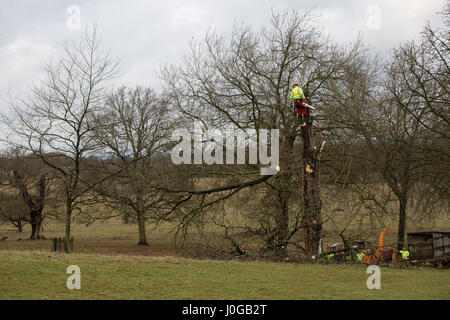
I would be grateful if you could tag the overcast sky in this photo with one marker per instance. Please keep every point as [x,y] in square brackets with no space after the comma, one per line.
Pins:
[144,34]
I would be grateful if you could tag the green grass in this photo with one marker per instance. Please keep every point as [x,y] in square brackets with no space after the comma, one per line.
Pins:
[42,275]
[114,267]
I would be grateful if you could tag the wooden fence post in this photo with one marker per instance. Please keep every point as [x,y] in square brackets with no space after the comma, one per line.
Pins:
[60,245]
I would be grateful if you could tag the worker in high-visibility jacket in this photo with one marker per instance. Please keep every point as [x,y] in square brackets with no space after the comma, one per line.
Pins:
[405,253]
[297,100]
[360,256]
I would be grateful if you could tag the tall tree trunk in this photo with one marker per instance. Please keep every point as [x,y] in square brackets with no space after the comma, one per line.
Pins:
[282,224]
[284,195]
[141,220]
[402,194]
[19,226]
[36,225]
[33,229]
[68,220]
[401,222]
[311,202]
[41,229]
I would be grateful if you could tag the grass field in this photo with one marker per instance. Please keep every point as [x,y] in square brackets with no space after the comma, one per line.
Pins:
[114,267]
[109,238]
[40,275]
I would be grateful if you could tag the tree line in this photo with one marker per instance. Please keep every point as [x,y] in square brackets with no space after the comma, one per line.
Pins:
[76,144]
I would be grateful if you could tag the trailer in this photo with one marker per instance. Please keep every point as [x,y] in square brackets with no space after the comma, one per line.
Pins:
[429,245]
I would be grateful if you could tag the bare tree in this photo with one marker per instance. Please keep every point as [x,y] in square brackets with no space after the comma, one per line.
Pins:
[423,68]
[389,131]
[54,124]
[133,129]
[13,209]
[417,82]
[245,82]
[420,81]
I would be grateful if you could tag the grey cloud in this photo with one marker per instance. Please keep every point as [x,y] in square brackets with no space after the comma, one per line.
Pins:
[143,34]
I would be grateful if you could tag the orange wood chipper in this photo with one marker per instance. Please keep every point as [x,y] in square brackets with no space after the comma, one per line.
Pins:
[381,253]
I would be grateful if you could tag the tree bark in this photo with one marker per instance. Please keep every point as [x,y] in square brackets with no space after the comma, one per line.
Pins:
[284,180]
[311,202]
[141,221]
[282,224]
[35,206]
[402,195]
[401,222]
[68,220]
[36,225]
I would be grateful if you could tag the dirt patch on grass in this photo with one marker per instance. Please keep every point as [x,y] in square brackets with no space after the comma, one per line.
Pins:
[112,238]
[98,246]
